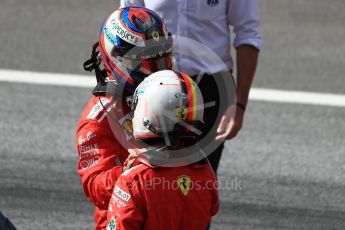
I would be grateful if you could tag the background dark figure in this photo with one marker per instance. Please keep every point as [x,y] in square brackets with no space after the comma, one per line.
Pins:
[5,223]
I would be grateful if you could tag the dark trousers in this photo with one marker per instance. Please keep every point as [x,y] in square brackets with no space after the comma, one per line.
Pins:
[5,223]
[218,88]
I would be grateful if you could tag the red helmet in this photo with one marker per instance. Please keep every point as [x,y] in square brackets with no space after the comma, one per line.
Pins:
[133,44]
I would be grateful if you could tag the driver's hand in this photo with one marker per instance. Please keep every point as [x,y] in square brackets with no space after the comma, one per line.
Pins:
[133,153]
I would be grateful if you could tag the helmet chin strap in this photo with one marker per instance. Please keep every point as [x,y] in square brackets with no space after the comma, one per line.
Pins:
[111,88]
[94,64]
[103,87]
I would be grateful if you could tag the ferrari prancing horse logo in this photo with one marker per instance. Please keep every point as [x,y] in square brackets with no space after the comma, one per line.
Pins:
[184,183]
[155,36]
[181,113]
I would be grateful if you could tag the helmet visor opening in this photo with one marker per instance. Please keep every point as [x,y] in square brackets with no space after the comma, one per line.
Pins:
[152,49]
[152,65]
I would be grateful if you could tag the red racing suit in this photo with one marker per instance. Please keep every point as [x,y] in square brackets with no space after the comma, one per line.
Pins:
[99,134]
[168,198]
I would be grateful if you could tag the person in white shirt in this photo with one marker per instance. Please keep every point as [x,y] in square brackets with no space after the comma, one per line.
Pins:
[201,30]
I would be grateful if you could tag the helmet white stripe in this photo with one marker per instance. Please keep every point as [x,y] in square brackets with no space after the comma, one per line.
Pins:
[118,29]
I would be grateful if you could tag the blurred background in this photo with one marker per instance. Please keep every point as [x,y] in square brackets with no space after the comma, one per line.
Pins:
[288,159]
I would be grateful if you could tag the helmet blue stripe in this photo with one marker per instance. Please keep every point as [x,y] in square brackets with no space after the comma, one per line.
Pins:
[100,30]
[119,78]
[118,41]
[130,86]
[124,17]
